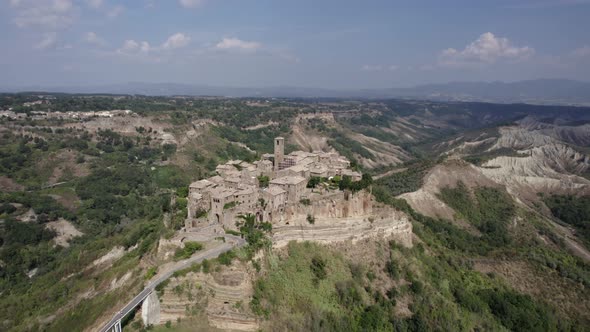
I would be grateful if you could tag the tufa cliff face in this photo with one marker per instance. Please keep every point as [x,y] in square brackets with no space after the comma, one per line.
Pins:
[327,230]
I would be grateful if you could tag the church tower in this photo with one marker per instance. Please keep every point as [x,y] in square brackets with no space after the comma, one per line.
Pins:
[279,151]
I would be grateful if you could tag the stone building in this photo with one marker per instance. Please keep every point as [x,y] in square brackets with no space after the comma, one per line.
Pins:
[293,185]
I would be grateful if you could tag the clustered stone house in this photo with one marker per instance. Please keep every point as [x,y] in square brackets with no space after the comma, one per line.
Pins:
[236,188]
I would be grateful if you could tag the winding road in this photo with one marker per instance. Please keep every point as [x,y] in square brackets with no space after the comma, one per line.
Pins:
[230,242]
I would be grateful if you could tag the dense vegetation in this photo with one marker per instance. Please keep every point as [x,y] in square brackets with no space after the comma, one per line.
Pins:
[572,210]
[188,250]
[408,179]
[314,288]
[490,210]
[348,147]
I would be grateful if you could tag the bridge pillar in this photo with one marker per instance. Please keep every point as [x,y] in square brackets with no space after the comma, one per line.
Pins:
[150,310]
[116,327]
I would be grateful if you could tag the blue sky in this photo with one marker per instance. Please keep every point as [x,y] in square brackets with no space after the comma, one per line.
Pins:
[320,43]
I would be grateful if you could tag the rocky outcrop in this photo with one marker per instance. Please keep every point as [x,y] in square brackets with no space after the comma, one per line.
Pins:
[64,232]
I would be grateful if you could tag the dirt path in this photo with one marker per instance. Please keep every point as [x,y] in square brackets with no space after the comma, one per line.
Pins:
[388,173]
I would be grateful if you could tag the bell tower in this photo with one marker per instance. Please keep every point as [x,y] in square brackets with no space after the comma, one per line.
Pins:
[279,151]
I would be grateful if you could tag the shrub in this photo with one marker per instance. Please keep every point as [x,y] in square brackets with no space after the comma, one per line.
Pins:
[263,181]
[314,181]
[226,257]
[206,265]
[190,247]
[229,205]
[318,268]
[181,203]
[392,269]
[182,191]
[200,213]
[417,287]
[518,312]
[349,295]
[151,272]
[7,208]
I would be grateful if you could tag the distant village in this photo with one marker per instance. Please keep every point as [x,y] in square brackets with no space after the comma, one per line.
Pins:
[40,115]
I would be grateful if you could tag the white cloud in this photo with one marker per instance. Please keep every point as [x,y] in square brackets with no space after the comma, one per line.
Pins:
[581,52]
[62,5]
[131,46]
[237,44]
[115,11]
[191,3]
[93,38]
[486,49]
[177,40]
[95,3]
[44,13]
[49,40]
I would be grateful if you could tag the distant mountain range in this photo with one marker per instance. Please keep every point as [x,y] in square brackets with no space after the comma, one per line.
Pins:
[541,91]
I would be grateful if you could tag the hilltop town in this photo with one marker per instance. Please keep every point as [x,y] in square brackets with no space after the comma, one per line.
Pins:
[271,188]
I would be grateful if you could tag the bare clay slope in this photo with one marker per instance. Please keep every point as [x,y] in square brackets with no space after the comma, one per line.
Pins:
[425,200]
[538,163]
[548,165]
[523,161]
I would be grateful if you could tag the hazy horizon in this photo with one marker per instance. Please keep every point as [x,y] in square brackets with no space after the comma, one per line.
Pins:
[16,88]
